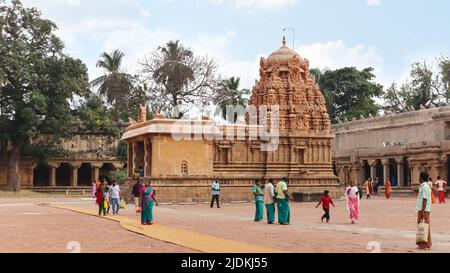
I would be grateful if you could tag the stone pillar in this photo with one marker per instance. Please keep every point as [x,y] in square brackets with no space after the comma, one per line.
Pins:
[400,177]
[74,177]
[385,163]
[355,174]
[96,170]
[130,164]
[53,166]
[373,170]
[147,157]
[444,167]
[415,172]
[362,172]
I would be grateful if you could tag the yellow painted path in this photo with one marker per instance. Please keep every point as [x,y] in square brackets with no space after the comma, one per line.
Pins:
[189,239]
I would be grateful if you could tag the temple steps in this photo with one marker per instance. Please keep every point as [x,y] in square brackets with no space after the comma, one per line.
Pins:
[399,191]
[66,190]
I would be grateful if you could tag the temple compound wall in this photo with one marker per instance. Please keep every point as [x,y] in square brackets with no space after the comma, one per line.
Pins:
[297,144]
[395,147]
[86,157]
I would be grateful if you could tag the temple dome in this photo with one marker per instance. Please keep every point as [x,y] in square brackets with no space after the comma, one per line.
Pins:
[283,55]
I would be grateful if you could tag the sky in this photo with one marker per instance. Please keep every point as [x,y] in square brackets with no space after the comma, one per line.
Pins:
[388,35]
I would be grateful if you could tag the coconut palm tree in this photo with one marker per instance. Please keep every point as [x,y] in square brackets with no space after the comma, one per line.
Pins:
[229,94]
[174,73]
[115,84]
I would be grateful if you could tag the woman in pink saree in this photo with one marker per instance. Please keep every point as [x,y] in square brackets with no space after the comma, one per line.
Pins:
[352,197]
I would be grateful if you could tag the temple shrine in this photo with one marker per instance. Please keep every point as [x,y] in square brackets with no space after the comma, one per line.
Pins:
[300,138]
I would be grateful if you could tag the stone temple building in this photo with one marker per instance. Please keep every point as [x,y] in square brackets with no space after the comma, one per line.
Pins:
[297,146]
[86,157]
[395,147]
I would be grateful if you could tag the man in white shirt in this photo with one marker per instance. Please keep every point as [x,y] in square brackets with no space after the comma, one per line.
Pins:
[441,184]
[269,201]
[215,187]
[114,194]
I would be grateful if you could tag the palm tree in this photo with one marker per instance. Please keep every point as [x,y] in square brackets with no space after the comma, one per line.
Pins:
[114,85]
[229,94]
[174,72]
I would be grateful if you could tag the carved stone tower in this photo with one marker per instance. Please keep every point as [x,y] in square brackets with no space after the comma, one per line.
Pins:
[285,81]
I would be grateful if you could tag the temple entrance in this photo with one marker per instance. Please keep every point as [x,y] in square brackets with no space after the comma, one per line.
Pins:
[63,175]
[379,172]
[84,175]
[366,170]
[393,177]
[406,174]
[41,176]
[140,153]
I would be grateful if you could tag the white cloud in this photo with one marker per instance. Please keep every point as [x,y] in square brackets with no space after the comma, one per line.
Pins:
[373,2]
[336,54]
[73,2]
[264,5]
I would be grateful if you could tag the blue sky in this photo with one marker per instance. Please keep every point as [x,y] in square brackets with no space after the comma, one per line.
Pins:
[388,35]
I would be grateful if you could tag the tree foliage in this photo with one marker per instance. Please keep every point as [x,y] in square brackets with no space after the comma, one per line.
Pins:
[38,82]
[349,93]
[424,88]
[229,94]
[115,85]
[178,79]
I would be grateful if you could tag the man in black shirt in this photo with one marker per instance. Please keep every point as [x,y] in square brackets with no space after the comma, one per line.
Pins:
[136,194]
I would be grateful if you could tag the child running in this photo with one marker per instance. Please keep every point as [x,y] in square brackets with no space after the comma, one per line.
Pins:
[326,201]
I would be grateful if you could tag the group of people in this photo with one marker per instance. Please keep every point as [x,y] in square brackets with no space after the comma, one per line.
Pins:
[371,187]
[106,196]
[273,198]
[276,198]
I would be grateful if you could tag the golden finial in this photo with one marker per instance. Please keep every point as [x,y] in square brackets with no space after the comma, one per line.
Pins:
[284,39]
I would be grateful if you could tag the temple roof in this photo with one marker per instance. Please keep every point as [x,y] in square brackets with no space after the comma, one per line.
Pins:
[283,54]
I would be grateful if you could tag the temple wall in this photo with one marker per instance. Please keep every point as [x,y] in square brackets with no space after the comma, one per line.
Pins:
[168,155]
[395,146]
[25,175]
[199,189]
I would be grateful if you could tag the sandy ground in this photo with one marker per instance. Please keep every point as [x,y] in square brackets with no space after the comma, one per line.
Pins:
[386,225]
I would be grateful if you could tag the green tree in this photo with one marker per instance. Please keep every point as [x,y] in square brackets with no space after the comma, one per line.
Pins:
[178,79]
[96,118]
[349,92]
[38,83]
[229,94]
[427,86]
[122,151]
[115,85]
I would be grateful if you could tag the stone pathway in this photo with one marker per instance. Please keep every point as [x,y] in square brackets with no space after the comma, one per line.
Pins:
[193,240]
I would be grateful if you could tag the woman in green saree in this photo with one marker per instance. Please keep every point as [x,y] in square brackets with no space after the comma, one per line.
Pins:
[147,201]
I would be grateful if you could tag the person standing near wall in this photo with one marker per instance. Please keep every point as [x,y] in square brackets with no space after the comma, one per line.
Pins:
[441,184]
[115,197]
[269,201]
[423,207]
[283,198]
[259,201]
[136,195]
[215,187]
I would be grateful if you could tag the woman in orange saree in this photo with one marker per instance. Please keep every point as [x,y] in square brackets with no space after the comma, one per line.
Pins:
[388,189]
[430,183]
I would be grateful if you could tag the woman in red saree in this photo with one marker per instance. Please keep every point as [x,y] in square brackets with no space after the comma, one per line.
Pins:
[352,197]
[388,189]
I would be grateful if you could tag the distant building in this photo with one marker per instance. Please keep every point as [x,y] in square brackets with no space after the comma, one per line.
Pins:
[86,157]
[395,147]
